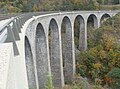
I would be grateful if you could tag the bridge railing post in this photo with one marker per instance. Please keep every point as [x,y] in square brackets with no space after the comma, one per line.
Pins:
[15,30]
[18,25]
[11,38]
[83,37]
[20,22]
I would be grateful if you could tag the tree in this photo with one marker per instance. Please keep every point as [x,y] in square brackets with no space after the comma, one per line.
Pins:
[101,2]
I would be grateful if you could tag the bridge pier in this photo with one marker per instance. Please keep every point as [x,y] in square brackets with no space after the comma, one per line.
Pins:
[98,23]
[68,51]
[42,61]
[82,35]
[29,65]
[56,61]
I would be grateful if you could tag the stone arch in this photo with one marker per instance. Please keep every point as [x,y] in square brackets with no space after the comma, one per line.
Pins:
[55,55]
[29,65]
[104,17]
[92,23]
[41,56]
[92,20]
[80,33]
[67,49]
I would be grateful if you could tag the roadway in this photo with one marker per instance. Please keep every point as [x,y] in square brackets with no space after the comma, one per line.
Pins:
[5,19]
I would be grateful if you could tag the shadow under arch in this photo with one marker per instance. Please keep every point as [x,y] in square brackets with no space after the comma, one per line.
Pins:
[104,17]
[41,56]
[92,21]
[55,55]
[29,65]
[67,49]
[79,32]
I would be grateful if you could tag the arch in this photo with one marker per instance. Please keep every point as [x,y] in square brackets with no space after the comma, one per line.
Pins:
[67,49]
[41,56]
[92,23]
[29,65]
[80,33]
[104,17]
[55,55]
[92,20]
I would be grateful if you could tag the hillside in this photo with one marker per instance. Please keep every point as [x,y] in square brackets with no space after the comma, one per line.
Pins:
[101,62]
[17,6]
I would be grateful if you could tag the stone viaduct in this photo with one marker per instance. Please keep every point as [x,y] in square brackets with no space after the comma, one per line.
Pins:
[38,52]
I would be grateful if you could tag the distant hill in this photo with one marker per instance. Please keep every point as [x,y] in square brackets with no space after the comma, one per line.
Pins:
[16,6]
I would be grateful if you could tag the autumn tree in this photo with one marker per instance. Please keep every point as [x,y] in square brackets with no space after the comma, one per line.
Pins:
[104,53]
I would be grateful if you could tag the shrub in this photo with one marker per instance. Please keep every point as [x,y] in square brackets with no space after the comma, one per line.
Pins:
[103,53]
[14,9]
[114,75]
[49,83]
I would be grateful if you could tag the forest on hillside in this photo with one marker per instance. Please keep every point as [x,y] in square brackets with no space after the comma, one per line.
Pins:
[101,61]
[17,6]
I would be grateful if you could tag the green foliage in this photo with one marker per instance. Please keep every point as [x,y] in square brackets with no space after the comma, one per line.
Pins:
[49,83]
[77,84]
[31,88]
[97,84]
[14,10]
[114,74]
[8,7]
[93,5]
[101,2]
[61,5]
[109,7]
[104,51]
[66,5]
[27,7]
[49,5]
